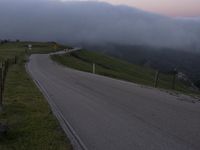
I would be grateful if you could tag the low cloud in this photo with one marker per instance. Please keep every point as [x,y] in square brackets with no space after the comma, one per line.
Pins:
[94,23]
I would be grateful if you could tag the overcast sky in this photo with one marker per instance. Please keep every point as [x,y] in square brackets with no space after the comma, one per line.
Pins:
[186,8]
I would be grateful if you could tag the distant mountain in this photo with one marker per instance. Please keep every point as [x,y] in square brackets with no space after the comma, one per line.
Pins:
[96,23]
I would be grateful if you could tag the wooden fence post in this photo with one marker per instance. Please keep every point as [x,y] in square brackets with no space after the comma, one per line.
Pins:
[94,68]
[156,79]
[15,59]
[1,88]
[6,65]
[173,81]
[175,72]
[3,74]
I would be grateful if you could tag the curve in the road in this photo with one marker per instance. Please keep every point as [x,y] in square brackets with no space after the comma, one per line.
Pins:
[108,114]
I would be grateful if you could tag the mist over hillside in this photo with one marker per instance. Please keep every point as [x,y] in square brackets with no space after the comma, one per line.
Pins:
[94,23]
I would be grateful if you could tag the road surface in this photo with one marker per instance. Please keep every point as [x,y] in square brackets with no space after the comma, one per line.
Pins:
[108,114]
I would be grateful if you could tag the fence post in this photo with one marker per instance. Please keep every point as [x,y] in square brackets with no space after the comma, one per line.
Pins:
[6,66]
[1,87]
[94,68]
[175,72]
[156,79]
[3,74]
[15,59]
[173,81]
[8,62]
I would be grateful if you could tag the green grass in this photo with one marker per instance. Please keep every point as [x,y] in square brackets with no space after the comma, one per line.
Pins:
[32,126]
[115,68]
[9,50]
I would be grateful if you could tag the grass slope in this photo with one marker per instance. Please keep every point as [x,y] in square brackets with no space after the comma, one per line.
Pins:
[115,68]
[32,125]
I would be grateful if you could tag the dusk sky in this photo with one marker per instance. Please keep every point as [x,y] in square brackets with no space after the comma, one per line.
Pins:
[182,8]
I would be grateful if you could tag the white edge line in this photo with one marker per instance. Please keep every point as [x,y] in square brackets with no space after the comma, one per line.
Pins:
[69,131]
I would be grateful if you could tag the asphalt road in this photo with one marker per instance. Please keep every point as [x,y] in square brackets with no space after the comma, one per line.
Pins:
[109,114]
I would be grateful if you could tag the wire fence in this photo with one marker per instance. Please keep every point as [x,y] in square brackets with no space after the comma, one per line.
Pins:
[4,66]
[173,73]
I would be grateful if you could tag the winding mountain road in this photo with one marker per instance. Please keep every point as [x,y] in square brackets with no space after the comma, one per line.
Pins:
[100,113]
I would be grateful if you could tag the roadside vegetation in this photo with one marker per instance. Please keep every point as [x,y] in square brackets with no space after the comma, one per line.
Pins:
[26,113]
[116,68]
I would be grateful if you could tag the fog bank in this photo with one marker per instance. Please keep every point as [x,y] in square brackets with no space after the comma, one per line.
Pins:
[94,23]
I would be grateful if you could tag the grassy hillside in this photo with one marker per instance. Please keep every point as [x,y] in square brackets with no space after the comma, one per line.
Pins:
[164,59]
[31,123]
[116,68]
[10,49]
